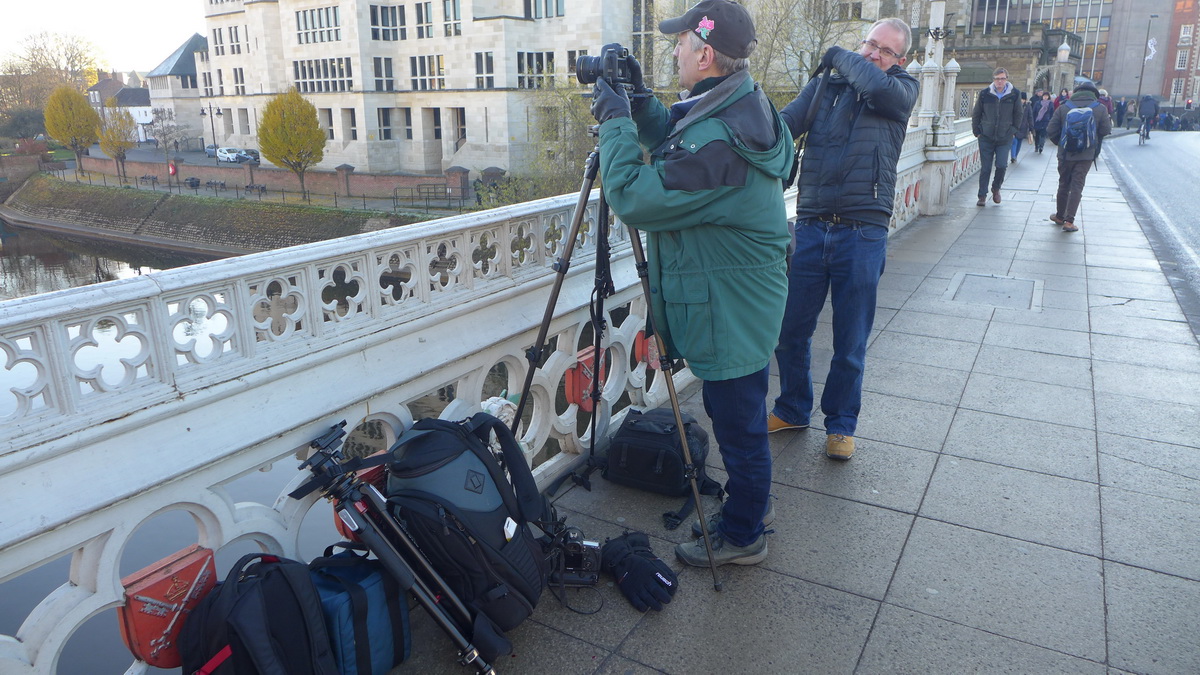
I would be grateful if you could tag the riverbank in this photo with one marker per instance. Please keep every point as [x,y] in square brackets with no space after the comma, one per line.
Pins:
[192,224]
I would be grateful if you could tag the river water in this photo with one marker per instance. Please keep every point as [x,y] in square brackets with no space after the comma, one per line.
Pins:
[34,262]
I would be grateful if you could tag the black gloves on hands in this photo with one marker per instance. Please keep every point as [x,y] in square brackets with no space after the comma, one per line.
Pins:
[827,59]
[608,103]
[646,581]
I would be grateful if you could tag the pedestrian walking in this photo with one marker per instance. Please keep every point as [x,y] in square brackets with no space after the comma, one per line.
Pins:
[1082,113]
[1105,99]
[1043,111]
[710,200]
[1025,128]
[1122,108]
[1062,96]
[995,121]
[842,218]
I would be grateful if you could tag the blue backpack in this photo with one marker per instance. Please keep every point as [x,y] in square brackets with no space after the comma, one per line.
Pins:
[1079,128]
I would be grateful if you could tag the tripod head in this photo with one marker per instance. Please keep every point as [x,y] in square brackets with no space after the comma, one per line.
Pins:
[329,473]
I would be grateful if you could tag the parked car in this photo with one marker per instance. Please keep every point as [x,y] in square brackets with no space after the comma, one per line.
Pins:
[249,155]
[228,154]
[210,150]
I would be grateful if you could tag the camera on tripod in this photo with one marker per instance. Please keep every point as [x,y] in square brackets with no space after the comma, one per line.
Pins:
[612,66]
[581,561]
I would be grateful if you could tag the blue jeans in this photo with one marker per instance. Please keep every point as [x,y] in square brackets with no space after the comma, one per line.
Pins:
[738,411]
[991,153]
[1016,145]
[846,261]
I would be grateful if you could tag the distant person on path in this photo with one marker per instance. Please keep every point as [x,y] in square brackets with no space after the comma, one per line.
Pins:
[1107,101]
[1073,165]
[1062,96]
[1043,110]
[1122,108]
[842,217]
[1026,126]
[995,120]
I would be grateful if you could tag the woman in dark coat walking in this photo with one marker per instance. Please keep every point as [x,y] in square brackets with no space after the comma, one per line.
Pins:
[1024,128]
[1043,110]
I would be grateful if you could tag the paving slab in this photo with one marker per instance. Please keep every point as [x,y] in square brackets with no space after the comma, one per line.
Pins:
[1059,450]
[1142,530]
[1153,621]
[1148,467]
[1004,586]
[1155,420]
[1029,400]
[1068,371]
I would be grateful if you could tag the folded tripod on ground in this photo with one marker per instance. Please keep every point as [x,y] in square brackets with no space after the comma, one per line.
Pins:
[364,511]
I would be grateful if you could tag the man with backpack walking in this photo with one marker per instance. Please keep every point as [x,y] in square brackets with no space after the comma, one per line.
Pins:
[995,121]
[1077,128]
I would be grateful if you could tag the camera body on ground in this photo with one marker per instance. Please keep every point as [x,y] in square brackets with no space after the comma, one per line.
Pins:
[612,66]
[581,562]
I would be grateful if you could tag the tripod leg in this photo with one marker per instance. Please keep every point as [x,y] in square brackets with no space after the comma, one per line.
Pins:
[639,258]
[397,566]
[561,266]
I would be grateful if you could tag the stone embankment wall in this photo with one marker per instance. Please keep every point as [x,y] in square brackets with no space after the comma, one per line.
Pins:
[323,182]
[197,223]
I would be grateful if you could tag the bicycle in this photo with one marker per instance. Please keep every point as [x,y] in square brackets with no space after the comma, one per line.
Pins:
[1144,131]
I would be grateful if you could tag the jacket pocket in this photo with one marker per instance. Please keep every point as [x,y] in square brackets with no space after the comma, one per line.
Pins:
[689,315]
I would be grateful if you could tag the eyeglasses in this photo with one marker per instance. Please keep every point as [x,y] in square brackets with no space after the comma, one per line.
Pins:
[873,46]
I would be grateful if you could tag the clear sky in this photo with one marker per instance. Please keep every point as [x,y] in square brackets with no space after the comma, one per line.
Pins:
[127,34]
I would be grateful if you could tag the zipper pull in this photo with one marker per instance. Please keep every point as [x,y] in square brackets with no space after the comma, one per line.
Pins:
[442,517]
[875,189]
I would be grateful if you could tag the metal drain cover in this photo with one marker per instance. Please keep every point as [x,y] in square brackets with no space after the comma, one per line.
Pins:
[996,291]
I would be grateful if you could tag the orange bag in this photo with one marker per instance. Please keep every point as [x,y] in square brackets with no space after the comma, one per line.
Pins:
[157,601]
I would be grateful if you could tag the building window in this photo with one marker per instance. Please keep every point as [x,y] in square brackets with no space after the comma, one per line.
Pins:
[1181,59]
[544,9]
[206,79]
[1177,86]
[453,24]
[383,74]
[235,41]
[322,24]
[321,75]
[350,123]
[325,115]
[406,113]
[239,82]
[243,116]
[220,83]
[424,20]
[387,23]
[1185,35]
[849,10]
[437,123]
[484,71]
[385,124]
[218,44]
[460,126]
[535,70]
[427,72]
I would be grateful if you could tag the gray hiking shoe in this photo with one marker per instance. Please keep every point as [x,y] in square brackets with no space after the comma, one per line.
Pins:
[724,553]
[715,518]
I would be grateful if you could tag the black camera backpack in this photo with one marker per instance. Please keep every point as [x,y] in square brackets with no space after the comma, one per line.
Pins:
[470,515]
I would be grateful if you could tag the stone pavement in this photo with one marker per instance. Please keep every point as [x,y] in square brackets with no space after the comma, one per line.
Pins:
[1025,497]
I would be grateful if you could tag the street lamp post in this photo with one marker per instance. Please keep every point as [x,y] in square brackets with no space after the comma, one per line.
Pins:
[210,113]
[1145,48]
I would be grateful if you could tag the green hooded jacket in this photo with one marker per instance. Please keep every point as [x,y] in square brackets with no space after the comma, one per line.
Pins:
[710,200]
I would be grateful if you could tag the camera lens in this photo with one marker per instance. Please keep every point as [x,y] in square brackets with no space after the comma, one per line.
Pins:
[588,69]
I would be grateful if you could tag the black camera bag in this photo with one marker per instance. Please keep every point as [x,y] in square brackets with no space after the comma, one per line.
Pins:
[471,520]
[646,454]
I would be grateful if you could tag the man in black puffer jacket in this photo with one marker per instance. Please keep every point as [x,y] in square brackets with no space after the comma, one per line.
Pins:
[847,189]
[995,121]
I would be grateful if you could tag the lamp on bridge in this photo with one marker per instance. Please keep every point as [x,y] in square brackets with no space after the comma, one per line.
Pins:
[1064,58]
[209,113]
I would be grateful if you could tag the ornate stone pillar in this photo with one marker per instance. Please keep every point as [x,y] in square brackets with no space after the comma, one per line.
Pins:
[937,173]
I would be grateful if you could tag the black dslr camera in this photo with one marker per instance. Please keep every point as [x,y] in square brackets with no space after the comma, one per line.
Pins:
[580,561]
[612,66]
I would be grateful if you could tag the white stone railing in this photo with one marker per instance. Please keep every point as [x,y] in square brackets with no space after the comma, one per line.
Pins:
[230,367]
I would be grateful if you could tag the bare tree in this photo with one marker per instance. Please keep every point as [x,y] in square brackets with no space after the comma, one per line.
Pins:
[166,132]
[117,133]
[793,35]
[43,63]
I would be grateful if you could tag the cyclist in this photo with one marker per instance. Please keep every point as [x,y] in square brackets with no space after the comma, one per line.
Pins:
[1147,110]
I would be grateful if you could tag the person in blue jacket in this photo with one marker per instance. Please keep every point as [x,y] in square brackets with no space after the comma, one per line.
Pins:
[847,189]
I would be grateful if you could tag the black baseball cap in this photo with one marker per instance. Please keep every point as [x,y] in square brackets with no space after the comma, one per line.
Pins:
[723,24]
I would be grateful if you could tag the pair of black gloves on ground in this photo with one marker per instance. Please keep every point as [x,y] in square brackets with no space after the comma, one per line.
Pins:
[646,581]
[609,101]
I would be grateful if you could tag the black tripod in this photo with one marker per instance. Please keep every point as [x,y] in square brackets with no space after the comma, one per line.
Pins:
[364,511]
[602,290]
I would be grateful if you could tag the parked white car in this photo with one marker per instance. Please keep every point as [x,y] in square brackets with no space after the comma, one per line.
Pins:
[228,154]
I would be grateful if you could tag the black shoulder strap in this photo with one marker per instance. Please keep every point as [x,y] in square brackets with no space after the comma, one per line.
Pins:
[529,500]
[358,618]
[298,579]
[708,486]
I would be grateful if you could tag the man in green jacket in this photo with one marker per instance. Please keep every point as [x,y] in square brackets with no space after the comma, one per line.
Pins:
[710,200]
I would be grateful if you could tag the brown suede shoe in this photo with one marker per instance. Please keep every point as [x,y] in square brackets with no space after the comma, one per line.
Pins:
[775,424]
[996,195]
[982,201]
[1055,219]
[838,446]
